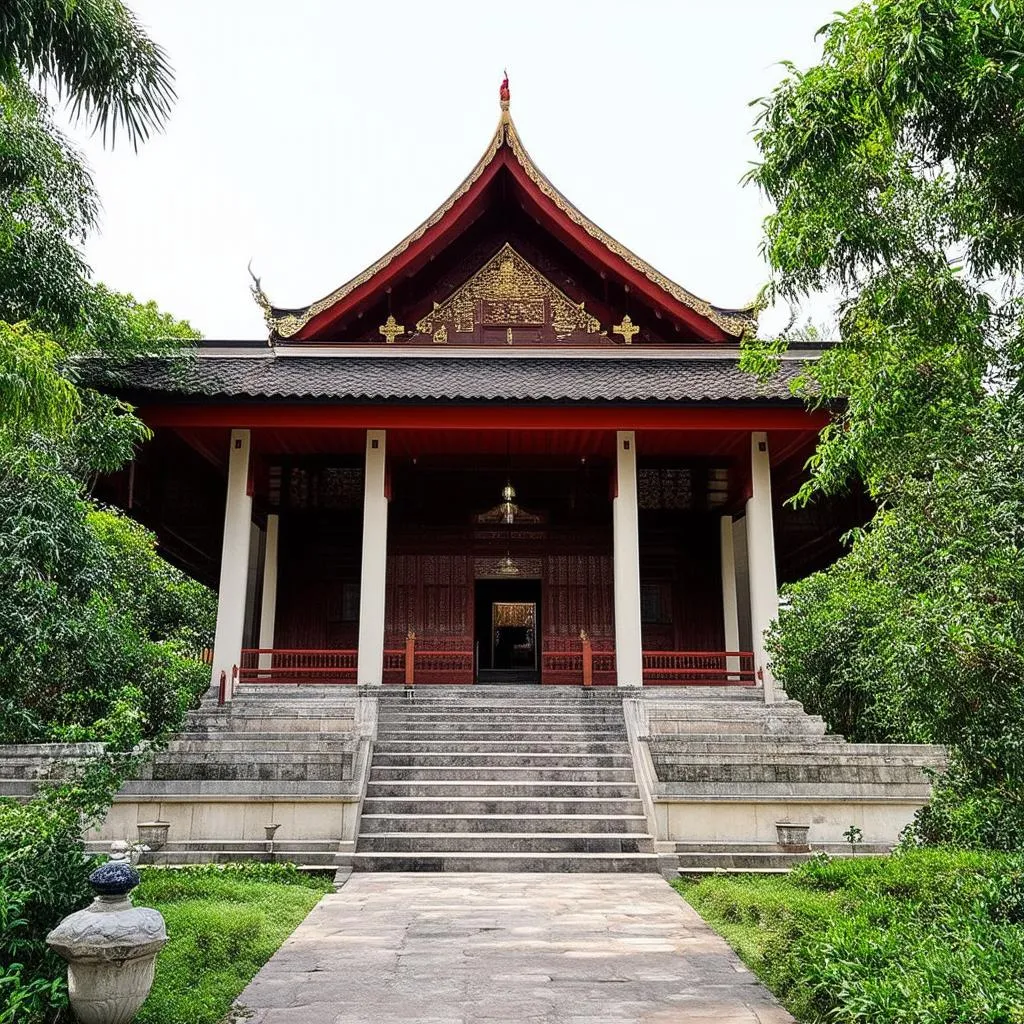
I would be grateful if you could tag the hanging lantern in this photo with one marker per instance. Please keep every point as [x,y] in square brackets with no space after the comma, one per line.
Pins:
[507,567]
[508,503]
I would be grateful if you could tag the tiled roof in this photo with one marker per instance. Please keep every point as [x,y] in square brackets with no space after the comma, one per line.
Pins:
[569,379]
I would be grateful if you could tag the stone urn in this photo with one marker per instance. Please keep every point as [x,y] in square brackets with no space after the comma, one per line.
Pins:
[153,833]
[110,946]
[793,837]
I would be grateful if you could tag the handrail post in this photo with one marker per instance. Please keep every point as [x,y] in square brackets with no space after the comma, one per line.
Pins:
[588,659]
[410,659]
[234,679]
[222,692]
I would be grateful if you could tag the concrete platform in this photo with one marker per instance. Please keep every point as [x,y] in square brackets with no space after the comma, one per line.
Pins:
[394,948]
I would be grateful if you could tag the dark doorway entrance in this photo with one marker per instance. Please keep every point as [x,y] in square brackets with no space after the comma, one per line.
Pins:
[507,638]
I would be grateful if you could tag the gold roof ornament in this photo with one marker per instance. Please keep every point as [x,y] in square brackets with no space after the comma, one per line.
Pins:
[390,330]
[508,289]
[627,329]
[503,93]
[263,302]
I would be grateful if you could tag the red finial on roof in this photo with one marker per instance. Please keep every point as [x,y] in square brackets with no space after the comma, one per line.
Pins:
[503,92]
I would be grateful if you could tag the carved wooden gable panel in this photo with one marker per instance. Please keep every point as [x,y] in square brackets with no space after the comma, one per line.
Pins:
[507,301]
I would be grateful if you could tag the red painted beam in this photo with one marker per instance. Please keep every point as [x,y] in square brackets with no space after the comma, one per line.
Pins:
[475,417]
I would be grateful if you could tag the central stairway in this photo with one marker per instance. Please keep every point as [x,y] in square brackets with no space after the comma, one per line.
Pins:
[502,778]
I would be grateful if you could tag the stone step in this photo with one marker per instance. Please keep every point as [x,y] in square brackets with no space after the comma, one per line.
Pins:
[505,862]
[469,822]
[500,746]
[18,787]
[304,853]
[723,847]
[299,858]
[505,842]
[787,772]
[283,708]
[252,726]
[749,729]
[710,862]
[731,743]
[463,805]
[848,791]
[468,773]
[485,719]
[299,846]
[185,790]
[502,788]
[522,759]
[491,691]
[319,743]
[239,770]
[208,753]
[472,723]
[498,734]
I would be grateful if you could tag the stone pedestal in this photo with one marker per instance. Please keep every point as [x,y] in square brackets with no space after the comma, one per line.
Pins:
[110,947]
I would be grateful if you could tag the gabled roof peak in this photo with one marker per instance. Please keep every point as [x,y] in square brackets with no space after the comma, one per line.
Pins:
[712,323]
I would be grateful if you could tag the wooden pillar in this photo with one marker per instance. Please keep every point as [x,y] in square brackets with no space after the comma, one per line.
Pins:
[370,658]
[410,659]
[234,563]
[268,606]
[588,659]
[629,659]
[764,589]
[730,603]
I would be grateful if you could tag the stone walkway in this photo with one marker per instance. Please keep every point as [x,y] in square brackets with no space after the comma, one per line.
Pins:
[394,948]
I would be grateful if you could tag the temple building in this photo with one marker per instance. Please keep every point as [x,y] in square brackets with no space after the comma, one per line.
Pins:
[507,432]
[496,528]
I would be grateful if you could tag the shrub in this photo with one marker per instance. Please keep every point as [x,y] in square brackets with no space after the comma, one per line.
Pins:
[925,936]
[100,634]
[43,872]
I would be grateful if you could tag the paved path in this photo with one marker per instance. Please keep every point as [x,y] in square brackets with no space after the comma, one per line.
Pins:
[394,948]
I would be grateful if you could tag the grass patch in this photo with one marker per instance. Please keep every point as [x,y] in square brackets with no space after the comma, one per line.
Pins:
[223,925]
[922,937]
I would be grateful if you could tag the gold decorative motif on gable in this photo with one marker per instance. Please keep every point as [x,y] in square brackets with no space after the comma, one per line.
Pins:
[508,292]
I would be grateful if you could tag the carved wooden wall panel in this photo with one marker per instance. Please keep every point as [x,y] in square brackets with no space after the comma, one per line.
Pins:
[428,593]
[578,594]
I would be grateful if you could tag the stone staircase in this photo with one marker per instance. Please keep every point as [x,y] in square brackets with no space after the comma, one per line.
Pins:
[262,738]
[273,755]
[723,763]
[502,778]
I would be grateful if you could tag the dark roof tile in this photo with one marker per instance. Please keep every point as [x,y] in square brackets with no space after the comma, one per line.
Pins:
[572,379]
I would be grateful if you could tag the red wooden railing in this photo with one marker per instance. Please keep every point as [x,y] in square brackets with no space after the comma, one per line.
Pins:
[434,661]
[578,662]
[279,665]
[699,668]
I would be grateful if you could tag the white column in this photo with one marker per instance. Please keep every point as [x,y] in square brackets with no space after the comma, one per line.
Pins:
[764,590]
[730,603]
[629,660]
[234,562]
[370,662]
[268,606]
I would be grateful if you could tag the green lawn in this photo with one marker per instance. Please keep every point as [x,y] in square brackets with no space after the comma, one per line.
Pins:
[924,937]
[223,924]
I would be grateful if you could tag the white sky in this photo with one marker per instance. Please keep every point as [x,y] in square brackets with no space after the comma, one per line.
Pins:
[310,136]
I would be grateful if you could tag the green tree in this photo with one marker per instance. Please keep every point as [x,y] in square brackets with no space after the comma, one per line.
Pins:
[95,55]
[100,635]
[896,168]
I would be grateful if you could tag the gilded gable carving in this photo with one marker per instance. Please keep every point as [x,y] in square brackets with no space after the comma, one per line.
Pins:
[506,295]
